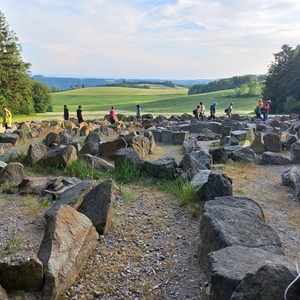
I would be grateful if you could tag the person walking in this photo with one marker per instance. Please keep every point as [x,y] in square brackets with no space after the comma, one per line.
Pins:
[229,110]
[138,113]
[202,110]
[112,115]
[66,113]
[265,110]
[79,114]
[258,107]
[212,110]
[197,112]
[6,118]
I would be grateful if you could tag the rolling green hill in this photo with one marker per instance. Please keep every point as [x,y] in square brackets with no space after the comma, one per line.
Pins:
[156,100]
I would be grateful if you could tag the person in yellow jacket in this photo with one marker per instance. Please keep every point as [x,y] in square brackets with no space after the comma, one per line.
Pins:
[6,117]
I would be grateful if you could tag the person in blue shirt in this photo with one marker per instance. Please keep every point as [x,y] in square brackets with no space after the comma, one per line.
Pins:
[212,110]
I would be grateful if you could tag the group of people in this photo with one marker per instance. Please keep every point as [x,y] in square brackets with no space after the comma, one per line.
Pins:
[78,113]
[112,114]
[199,111]
[262,109]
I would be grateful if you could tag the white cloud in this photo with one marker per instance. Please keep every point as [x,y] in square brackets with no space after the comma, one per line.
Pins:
[183,38]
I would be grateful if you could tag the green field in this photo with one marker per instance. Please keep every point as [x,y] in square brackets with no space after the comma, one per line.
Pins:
[158,100]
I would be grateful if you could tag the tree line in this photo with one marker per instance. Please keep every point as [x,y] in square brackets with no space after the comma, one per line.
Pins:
[21,93]
[246,85]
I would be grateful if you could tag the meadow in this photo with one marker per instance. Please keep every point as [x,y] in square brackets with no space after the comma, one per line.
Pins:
[158,100]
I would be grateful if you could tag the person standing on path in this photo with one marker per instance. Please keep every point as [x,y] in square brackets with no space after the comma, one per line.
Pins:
[138,113]
[66,113]
[6,118]
[112,115]
[212,111]
[265,110]
[79,114]
[202,110]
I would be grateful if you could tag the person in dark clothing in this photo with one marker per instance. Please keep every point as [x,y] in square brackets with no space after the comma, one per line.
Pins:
[79,114]
[66,113]
[212,110]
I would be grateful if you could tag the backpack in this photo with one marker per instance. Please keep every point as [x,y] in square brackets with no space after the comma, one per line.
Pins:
[262,110]
[194,111]
[226,110]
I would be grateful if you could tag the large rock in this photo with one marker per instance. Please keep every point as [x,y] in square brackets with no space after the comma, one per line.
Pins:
[141,145]
[190,166]
[69,240]
[97,205]
[245,155]
[97,162]
[59,157]
[295,153]
[34,153]
[270,281]
[13,172]
[203,157]
[291,178]
[108,148]
[289,141]
[128,155]
[258,145]
[235,221]
[163,168]
[272,158]
[73,196]
[9,138]
[33,185]
[272,142]
[230,265]
[21,272]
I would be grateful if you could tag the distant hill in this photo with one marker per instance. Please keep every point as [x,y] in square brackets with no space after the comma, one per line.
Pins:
[67,83]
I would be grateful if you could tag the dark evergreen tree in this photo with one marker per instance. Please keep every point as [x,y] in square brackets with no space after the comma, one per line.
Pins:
[41,97]
[15,81]
[283,81]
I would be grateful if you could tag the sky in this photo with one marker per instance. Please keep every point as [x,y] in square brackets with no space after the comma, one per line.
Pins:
[166,39]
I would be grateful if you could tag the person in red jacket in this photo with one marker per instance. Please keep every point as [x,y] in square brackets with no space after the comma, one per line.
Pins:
[265,110]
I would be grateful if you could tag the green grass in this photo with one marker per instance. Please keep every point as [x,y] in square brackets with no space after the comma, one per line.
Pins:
[158,100]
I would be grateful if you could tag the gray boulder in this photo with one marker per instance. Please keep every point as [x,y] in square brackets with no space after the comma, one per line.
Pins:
[231,265]
[270,281]
[108,148]
[35,153]
[97,205]
[97,162]
[73,196]
[271,158]
[291,178]
[245,154]
[203,157]
[13,172]
[235,221]
[295,153]
[69,240]
[163,168]
[289,141]
[9,138]
[21,272]
[59,157]
[190,166]
[272,142]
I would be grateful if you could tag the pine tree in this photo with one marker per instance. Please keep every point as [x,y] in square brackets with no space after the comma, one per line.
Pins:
[15,80]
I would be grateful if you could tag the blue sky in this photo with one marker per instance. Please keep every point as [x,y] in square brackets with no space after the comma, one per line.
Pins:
[168,39]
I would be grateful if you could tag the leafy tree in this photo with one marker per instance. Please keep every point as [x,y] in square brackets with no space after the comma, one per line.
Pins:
[283,80]
[15,81]
[41,96]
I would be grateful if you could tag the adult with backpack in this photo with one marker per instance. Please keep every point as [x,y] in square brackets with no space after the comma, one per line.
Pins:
[196,112]
[228,110]
[212,110]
